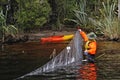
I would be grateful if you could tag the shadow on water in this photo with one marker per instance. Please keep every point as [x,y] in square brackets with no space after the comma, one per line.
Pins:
[19,59]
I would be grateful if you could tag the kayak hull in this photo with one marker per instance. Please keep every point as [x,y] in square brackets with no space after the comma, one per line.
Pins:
[53,39]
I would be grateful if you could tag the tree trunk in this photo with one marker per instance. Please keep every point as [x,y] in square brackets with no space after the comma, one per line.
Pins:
[53,15]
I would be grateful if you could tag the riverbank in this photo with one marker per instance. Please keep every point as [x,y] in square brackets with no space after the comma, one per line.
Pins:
[38,35]
[35,35]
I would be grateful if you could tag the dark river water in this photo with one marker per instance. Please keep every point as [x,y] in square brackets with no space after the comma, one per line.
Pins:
[19,59]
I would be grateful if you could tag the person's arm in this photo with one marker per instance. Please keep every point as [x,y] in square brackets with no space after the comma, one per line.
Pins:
[84,35]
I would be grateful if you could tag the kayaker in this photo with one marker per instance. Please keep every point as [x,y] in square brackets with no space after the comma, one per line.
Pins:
[90,45]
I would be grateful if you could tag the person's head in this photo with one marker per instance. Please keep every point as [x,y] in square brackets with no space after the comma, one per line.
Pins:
[91,36]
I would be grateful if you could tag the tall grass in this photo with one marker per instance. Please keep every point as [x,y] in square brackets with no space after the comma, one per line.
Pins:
[81,17]
[10,30]
[6,29]
[80,13]
[108,22]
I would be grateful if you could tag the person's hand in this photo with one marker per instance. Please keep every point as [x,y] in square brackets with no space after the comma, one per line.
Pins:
[79,30]
[85,52]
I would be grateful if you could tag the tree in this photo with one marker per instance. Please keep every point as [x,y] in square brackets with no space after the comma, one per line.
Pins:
[32,13]
[61,9]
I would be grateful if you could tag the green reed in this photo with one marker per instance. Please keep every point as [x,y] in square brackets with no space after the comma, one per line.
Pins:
[108,21]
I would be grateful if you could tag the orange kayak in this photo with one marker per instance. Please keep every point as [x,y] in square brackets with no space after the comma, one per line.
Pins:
[52,39]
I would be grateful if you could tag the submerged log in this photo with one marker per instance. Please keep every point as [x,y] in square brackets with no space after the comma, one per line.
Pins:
[11,39]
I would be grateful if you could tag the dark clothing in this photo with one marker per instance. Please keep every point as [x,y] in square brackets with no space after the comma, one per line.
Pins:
[90,57]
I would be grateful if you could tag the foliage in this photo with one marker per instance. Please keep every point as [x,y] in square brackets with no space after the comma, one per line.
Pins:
[3,1]
[62,9]
[6,30]
[2,18]
[10,30]
[2,21]
[32,13]
[68,6]
[108,23]
[81,17]
[35,13]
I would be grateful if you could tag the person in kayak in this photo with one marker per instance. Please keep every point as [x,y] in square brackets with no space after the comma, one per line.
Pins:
[90,45]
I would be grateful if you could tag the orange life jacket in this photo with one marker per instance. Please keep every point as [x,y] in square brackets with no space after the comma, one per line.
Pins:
[91,47]
[84,36]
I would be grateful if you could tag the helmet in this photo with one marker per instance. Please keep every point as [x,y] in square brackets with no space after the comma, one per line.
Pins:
[92,35]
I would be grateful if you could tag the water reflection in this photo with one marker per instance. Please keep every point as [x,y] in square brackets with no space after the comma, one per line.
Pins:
[88,72]
[75,72]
